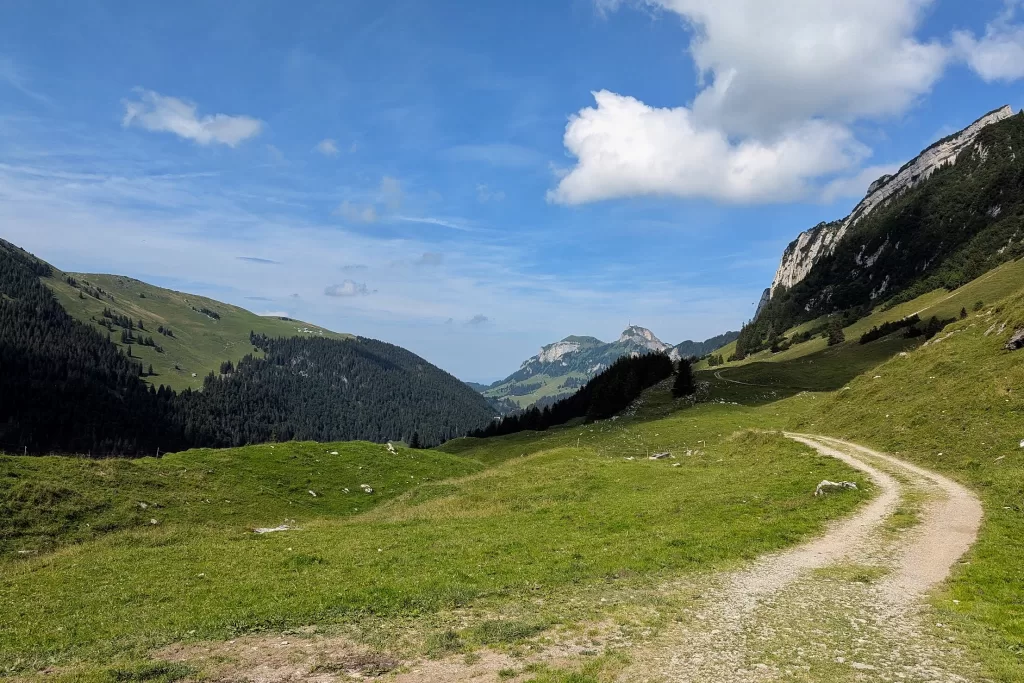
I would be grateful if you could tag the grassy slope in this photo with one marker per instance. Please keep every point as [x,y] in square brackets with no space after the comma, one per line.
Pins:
[956,406]
[200,343]
[550,386]
[993,286]
[953,405]
[563,516]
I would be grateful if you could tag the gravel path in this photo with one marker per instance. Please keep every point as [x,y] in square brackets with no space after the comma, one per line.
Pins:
[846,606]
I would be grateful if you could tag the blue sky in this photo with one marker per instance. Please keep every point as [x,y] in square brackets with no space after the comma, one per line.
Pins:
[472,180]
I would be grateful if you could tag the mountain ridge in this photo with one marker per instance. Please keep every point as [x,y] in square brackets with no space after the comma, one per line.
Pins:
[559,369]
[949,215]
[812,245]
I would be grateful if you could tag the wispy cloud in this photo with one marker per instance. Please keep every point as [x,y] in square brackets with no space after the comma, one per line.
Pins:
[431,220]
[328,147]
[496,154]
[357,213]
[13,77]
[256,259]
[485,194]
[430,258]
[347,288]
[160,113]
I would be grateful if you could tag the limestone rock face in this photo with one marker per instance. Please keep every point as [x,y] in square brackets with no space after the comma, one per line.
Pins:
[810,246]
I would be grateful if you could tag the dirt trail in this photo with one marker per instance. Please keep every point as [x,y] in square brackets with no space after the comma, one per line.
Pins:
[846,606]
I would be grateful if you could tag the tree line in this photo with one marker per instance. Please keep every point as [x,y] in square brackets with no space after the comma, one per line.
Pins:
[64,387]
[608,393]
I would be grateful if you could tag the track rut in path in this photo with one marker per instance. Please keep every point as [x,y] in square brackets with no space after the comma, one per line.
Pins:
[848,605]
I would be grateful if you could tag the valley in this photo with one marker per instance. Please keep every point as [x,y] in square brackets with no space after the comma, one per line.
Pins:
[823,483]
[601,534]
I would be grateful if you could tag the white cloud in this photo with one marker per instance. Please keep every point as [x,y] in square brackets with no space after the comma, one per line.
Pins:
[768,65]
[160,113]
[625,148]
[327,147]
[273,314]
[478,319]
[357,213]
[999,54]
[347,288]
[780,84]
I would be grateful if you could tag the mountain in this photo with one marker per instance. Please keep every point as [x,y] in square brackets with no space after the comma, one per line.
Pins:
[692,349]
[946,217]
[66,386]
[820,241]
[194,334]
[561,368]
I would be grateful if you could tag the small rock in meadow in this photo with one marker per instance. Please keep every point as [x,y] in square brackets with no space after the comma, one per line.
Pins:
[334,452]
[827,486]
[1016,341]
[1022,443]
[152,521]
[661,456]
[312,493]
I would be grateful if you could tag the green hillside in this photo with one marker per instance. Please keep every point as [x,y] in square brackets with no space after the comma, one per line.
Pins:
[200,342]
[486,543]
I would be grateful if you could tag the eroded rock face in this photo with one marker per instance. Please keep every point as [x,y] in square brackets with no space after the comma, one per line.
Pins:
[1016,341]
[812,245]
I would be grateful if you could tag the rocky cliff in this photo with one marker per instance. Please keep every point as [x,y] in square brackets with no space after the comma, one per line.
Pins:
[810,246]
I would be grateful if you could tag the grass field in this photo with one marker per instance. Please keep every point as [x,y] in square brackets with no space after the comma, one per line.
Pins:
[200,343]
[528,516]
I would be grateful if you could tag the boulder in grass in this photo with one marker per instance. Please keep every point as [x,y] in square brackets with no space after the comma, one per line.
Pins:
[1016,341]
[661,456]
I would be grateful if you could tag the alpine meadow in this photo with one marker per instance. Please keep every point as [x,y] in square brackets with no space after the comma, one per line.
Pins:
[269,274]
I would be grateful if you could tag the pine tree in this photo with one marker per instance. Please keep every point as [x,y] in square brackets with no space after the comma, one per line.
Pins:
[414,440]
[963,313]
[684,384]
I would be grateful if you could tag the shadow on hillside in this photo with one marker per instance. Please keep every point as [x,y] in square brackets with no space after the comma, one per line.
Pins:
[827,370]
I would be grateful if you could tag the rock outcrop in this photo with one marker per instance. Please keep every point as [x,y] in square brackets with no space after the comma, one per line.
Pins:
[810,246]
[1016,341]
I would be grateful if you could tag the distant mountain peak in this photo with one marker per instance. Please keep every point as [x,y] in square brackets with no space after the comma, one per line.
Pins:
[641,336]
